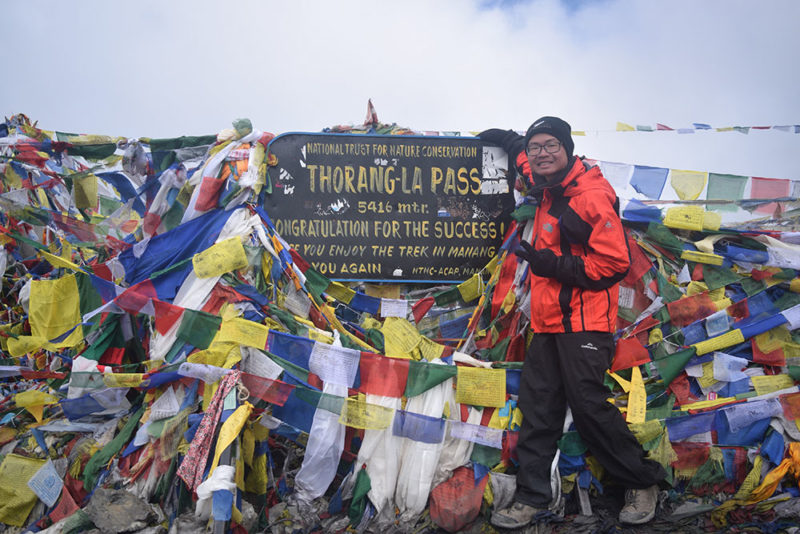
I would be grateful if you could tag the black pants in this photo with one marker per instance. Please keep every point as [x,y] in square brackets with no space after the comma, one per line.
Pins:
[563,369]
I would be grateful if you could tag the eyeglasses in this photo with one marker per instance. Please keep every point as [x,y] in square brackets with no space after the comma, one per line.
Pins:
[551,147]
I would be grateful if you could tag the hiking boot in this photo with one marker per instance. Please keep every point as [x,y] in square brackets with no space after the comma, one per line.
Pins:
[517,515]
[640,505]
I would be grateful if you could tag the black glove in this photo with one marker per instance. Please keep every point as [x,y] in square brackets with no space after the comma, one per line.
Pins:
[508,140]
[541,262]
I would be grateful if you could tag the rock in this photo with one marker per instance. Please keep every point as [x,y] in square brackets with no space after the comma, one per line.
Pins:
[114,511]
[187,523]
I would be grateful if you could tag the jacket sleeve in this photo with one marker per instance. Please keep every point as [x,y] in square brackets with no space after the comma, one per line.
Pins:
[595,226]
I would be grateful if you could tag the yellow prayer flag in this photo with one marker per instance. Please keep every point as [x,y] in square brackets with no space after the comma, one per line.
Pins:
[623,127]
[472,288]
[220,258]
[794,285]
[13,179]
[23,345]
[85,191]
[728,339]
[702,257]
[579,132]
[340,292]
[243,332]
[357,413]
[688,184]
[684,218]
[55,308]
[429,350]
[16,498]
[123,380]
[624,384]
[769,383]
[230,430]
[637,398]
[481,387]
[712,220]
[648,430]
[707,379]
[655,336]
[382,291]
[400,337]
[58,261]
[492,265]
[34,401]
[773,339]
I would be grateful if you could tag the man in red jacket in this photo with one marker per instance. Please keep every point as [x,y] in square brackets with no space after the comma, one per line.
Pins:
[577,256]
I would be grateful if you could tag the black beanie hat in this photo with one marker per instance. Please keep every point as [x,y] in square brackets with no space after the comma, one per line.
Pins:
[556,127]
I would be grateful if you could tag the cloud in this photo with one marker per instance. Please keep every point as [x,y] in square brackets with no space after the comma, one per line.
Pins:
[164,69]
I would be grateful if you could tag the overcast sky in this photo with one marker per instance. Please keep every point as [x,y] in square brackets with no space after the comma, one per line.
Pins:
[167,68]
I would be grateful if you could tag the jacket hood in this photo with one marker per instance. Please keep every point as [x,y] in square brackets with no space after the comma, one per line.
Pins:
[578,179]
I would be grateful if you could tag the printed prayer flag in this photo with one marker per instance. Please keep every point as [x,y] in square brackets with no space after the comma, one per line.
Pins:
[55,308]
[220,258]
[481,387]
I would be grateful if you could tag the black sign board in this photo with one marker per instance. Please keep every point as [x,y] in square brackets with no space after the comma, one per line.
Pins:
[391,208]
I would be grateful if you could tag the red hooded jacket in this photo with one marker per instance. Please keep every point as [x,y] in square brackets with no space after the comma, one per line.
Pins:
[578,220]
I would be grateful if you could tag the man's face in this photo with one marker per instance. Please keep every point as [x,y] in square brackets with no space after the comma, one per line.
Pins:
[542,161]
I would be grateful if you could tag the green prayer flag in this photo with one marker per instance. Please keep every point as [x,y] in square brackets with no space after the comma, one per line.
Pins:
[664,237]
[99,151]
[667,291]
[794,372]
[316,283]
[751,287]
[296,370]
[498,352]
[524,212]
[359,502]
[198,328]
[716,277]
[110,336]
[485,455]
[422,376]
[185,141]
[89,297]
[672,365]
[448,296]
[571,444]
[104,455]
[725,187]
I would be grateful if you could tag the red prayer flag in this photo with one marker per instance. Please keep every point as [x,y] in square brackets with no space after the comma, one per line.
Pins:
[791,406]
[166,315]
[66,506]
[630,353]
[691,455]
[769,188]
[775,357]
[640,263]
[687,310]
[383,376]
[421,307]
[271,391]
[209,193]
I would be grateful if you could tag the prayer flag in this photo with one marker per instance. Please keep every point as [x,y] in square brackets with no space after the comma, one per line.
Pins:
[688,184]
[649,181]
